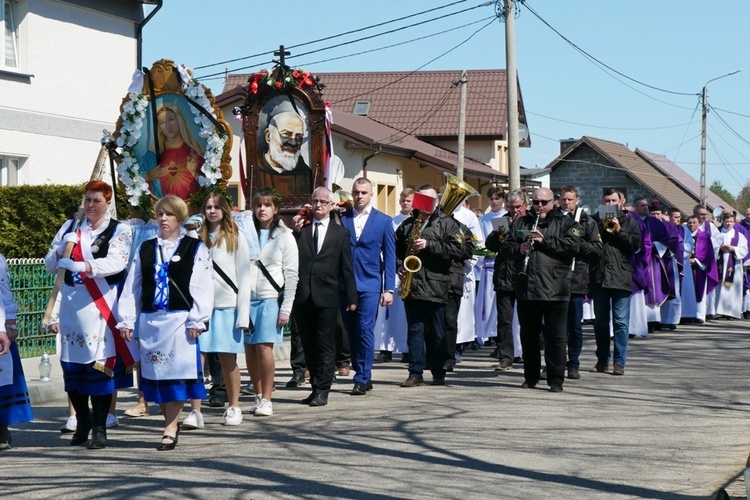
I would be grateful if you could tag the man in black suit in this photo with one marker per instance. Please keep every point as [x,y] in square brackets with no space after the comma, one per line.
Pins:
[324,256]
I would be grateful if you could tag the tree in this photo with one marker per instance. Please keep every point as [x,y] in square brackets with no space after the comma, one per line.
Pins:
[719,190]
[743,199]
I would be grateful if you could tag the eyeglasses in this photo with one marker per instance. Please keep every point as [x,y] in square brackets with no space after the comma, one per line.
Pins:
[542,202]
[321,202]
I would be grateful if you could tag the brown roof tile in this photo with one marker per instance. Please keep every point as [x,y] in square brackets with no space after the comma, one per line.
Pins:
[423,103]
[652,171]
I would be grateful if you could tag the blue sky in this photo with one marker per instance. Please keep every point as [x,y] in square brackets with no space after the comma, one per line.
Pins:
[673,45]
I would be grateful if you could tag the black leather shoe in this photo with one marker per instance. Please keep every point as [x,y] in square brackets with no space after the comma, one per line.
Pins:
[309,398]
[556,388]
[369,386]
[216,402]
[528,385]
[438,381]
[412,382]
[296,381]
[384,357]
[320,399]
[81,434]
[167,446]
[573,373]
[359,389]
[98,438]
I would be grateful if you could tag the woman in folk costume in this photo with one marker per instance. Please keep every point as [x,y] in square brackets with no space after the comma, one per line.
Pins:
[95,360]
[230,256]
[276,269]
[731,253]
[170,290]
[16,406]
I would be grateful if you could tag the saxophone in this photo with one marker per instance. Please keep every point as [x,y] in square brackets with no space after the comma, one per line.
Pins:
[412,263]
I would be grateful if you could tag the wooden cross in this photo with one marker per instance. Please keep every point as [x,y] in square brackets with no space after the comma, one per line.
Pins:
[281,53]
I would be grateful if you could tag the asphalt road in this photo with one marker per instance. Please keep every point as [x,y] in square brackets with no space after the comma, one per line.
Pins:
[675,426]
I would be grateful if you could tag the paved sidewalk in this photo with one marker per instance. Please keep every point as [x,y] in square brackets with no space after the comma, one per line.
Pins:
[675,426]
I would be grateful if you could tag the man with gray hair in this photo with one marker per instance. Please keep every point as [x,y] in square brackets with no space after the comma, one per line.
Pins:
[503,280]
[282,166]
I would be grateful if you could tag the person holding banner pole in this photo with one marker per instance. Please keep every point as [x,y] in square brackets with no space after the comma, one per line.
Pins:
[95,361]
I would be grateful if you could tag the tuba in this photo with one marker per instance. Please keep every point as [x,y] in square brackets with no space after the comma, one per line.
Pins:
[456,191]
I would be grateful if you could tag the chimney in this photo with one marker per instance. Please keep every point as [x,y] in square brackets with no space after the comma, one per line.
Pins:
[565,144]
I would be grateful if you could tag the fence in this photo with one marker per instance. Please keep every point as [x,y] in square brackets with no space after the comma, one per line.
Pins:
[31,285]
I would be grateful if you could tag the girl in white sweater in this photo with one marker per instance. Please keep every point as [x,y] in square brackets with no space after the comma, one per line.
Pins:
[270,308]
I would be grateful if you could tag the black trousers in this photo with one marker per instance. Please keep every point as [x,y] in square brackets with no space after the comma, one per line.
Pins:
[218,389]
[297,354]
[505,302]
[318,333]
[550,318]
[451,324]
[343,353]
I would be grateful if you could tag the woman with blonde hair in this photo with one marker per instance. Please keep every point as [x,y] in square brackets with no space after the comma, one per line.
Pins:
[170,290]
[230,255]
[273,280]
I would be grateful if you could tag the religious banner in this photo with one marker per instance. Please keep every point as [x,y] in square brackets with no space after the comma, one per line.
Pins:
[285,133]
[172,139]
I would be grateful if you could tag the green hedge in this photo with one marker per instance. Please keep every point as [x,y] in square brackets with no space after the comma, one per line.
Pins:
[31,215]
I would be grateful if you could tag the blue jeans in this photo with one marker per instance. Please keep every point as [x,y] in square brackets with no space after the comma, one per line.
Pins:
[620,314]
[426,337]
[575,330]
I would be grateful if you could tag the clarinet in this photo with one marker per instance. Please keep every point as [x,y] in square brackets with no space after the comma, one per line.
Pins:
[528,254]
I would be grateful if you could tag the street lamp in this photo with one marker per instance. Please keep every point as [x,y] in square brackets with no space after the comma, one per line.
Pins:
[703,135]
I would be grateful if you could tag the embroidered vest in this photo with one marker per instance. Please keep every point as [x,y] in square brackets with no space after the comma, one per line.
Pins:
[180,272]
[99,249]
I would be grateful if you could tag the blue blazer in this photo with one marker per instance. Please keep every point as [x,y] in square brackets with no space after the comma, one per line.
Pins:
[374,255]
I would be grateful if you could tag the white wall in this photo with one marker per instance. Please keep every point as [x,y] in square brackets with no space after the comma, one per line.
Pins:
[81,62]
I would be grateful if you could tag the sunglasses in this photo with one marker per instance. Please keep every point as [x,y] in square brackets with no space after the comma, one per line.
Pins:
[542,202]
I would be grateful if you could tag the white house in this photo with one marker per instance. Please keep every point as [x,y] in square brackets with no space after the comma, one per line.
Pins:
[65,67]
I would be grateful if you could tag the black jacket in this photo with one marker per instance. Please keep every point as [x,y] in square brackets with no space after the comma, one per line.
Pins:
[591,247]
[613,269]
[548,272]
[446,243]
[504,276]
[458,268]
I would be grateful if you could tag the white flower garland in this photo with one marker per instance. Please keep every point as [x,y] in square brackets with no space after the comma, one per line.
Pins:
[133,116]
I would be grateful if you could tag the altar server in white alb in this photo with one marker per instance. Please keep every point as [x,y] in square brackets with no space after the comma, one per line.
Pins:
[170,290]
[485,308]
[466,325]
[15,406]
[731,253]
[95,361]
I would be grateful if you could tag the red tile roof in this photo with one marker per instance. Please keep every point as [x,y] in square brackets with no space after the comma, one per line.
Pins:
[423,103]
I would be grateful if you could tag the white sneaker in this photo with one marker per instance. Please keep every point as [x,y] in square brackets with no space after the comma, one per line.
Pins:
[258,399]
[69,425]
[233,416]
[194,420]
[112,421]
[265,409]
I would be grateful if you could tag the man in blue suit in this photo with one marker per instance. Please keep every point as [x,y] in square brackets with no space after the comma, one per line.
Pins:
[374,258]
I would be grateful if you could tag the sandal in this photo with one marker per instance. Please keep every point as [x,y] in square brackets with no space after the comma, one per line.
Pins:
[138,411]
[167,446]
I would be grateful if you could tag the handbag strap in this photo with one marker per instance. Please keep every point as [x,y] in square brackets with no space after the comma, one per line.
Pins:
[224,276]
[269,277]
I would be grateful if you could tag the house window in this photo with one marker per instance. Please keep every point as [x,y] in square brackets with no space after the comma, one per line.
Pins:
[9,44]
[233,190]
[9,170]
[387,198]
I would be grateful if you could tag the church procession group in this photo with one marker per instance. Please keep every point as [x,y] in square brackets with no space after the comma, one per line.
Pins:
[524,276]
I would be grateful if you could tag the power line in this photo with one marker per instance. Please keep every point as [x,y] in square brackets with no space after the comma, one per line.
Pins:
[367,37]
[312,63]
[579,49]
[728,126]
[407,75]
[333,36]
[608,128]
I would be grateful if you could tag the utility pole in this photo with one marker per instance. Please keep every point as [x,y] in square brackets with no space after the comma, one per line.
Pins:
[511,77]
[704,111]
[461,127]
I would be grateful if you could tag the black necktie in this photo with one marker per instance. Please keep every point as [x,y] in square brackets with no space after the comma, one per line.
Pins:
[315,236]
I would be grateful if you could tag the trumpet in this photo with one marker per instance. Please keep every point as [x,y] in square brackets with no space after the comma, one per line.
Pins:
[412,263]
[609,223]
[528,254]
